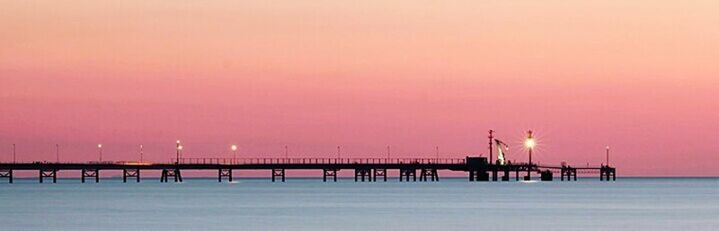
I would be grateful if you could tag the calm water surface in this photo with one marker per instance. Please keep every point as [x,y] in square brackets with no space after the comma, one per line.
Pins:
[310,204]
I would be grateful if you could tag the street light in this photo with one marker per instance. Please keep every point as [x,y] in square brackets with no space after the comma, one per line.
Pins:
[177,153]
[607,155]
[530,143]
[234,152]
[437,154]
[99,147]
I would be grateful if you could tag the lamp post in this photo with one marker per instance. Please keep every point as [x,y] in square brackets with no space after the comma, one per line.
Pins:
[57,153]
[530,143]
[178,147]
[13,154]
[338,152]
[234,153]
[437,152]
[287,153]
[607,155]
[99,147]
[141,153]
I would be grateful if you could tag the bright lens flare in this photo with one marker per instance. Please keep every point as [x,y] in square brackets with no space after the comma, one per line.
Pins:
[530,143]
[234,147]
[179,147]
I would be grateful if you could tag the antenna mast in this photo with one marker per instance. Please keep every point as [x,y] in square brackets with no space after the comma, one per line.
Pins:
[491,137]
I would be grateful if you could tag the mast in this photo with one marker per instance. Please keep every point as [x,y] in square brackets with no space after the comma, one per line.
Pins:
[491,137]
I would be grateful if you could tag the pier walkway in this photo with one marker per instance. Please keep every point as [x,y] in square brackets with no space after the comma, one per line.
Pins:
[365,169]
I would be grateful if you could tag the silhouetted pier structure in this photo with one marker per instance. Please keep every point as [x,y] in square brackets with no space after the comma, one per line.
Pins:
[368,169]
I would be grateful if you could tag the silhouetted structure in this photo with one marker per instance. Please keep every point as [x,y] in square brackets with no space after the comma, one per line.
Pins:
[478,168]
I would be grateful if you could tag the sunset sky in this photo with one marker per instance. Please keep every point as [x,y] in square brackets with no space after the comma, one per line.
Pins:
[639,76]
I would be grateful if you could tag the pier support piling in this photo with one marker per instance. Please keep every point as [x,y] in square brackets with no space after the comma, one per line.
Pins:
[406,173]
[608,172]
[362,173]
[173,172]
[482,176]
[546,175]
[224,173]
[329,172]
[130,173]
[478,175]
[431,173]
[49,173]
[278,173]
[614,174]
[6,173]
[569,172]
[90,173]
[505,177]
[379,172]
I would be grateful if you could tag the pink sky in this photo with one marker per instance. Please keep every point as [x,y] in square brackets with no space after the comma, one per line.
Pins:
[640,76]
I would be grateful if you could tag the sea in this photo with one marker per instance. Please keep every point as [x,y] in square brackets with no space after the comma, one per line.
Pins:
[310,204]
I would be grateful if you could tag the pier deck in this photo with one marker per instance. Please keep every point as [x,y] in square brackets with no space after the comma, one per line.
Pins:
[368,168]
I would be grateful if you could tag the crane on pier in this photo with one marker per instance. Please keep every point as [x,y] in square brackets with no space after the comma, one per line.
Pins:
[502,150]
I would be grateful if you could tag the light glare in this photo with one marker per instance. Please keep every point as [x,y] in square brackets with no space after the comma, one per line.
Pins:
[530,143]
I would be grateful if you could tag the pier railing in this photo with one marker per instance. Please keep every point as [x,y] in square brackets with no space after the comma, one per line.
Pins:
[233,161]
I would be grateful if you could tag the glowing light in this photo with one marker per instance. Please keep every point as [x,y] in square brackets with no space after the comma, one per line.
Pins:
[530,143]
[233,147]
[99,146]
[179,147]
[178,141]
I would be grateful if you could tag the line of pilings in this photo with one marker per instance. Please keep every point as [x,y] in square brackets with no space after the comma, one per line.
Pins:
[606,172]
[568,172]
[360,174]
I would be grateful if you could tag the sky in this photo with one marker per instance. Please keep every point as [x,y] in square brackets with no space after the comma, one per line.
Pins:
[639,76]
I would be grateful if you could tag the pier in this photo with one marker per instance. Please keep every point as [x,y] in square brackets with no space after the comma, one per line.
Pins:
[365,170]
